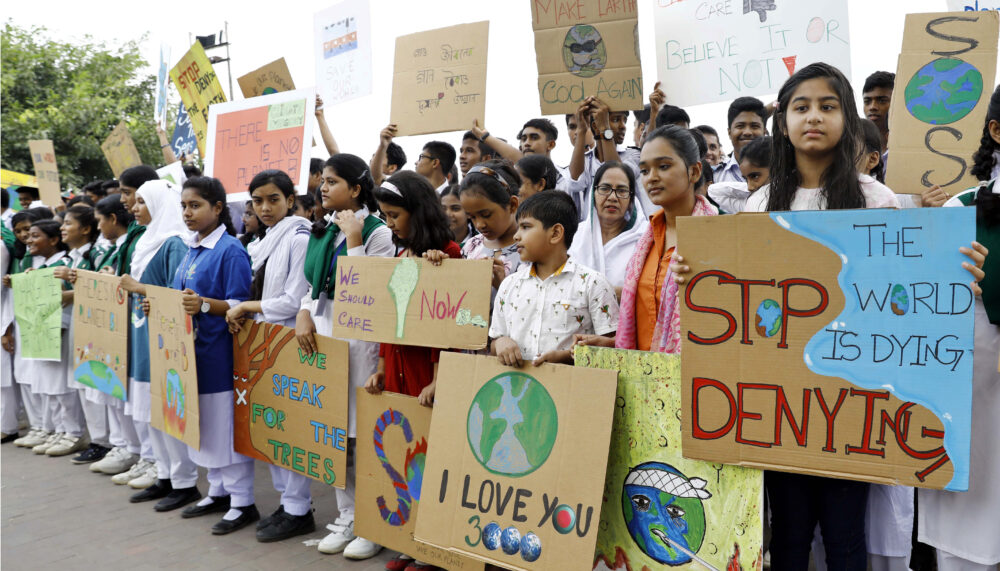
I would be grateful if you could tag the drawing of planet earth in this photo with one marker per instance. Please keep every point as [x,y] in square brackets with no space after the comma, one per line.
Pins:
[512,424]
[899,301]
[584,53]
[491,536]
[510,540]
[768,318]
[98,375]
[531,547]
[943,91]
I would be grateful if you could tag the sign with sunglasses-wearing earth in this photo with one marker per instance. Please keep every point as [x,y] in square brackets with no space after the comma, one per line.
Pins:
[586,49]
[946,67]
[515,472]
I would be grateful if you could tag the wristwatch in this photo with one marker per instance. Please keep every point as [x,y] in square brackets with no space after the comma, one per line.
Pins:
[486,135]
[608,135]
[205,307]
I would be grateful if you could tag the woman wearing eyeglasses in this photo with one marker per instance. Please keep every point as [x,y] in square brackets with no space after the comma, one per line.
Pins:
[613,227]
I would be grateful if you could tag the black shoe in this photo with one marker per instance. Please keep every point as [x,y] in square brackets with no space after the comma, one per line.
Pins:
[248,515]
[10,437]
[92,454]
[219,504]
[264,522]
[158,490]
[286,525]
[177,498]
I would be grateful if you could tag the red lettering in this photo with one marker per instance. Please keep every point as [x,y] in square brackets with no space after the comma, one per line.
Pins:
[830,416]
[745,300]
[781,408]
[741,414]
[731,329]
[866,432]
[787,311]
[697,431]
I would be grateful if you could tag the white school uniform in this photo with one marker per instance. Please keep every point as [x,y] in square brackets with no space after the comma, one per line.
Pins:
[9,398]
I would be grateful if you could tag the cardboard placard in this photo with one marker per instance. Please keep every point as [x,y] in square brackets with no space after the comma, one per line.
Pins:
[516,471]
[834,343]
[718,51]
[183,141]
[173,375]
[253,135]
[43,157]
[972,5]
[439,79]
[38,311]
[271,78]
[100,333]
[162,79]
[390,470]
[409,301]
[199,88]
[14,178]
[174,172]
[944,80]
[720,524]
[343,42]
[119,149]
[585,49]
[290,409]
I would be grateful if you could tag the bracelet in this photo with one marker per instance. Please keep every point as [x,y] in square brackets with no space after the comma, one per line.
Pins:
[164,146]
[486,135]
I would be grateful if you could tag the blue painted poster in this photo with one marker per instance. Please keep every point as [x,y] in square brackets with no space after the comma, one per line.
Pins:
[183,141]
[833,343]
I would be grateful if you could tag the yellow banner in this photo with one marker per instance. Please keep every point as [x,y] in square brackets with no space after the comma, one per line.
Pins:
[199,87]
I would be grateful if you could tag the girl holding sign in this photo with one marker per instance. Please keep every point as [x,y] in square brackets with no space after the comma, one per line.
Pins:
[164,469]
[350,228]
[278,285]
[214,276]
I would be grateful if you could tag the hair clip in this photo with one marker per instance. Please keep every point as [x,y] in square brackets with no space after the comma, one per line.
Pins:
[489,172]
[386,185]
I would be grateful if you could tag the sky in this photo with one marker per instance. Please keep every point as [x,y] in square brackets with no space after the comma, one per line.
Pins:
[262,31]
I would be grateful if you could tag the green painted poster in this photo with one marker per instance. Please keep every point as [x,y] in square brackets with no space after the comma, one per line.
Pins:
[660,508]
[38,310]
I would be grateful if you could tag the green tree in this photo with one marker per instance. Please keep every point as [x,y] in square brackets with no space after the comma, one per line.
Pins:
[74,94]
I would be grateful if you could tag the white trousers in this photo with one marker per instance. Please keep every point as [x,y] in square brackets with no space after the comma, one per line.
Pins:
[32,406]
[296,496]
[345,497]
[121,429]
[235,481]
[64,413]
[142,430]
[948,562]
[96,416]
[172,460]
[9,403]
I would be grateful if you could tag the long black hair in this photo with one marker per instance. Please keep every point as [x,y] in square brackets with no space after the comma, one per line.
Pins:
[211,189]
[983,160]
[872,143]
[51,228]
[113,206]
[841,188]
[279,179]
[498,187]
[354,170]
[84,216]
[536,167]
[429,228]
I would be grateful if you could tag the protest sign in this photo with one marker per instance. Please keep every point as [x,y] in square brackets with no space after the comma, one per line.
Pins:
[290,408]
[174,172]
[343,43]
[439,79]
[162,79]
[173,379]
[100,333]
[183,141]
[38,311]
[585,49]
[391,454]
[718,51]
[719,523]
[14,178]
[266,132]
[409,301]
[119,149]
[199,88]
[271,78]
[43,157]
[972,5]
[943,86]
[516,469]
[835,343]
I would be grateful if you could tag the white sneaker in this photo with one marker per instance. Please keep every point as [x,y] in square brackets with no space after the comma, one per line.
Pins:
[51,441]
[117,461]
[342,533]
[33,438]
[137,469]
[147,479]
[361,548]
[68,445]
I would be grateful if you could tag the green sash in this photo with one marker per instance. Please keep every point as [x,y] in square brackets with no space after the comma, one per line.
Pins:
[321,256]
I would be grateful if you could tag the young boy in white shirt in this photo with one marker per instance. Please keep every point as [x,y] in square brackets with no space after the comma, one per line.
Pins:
[539,309]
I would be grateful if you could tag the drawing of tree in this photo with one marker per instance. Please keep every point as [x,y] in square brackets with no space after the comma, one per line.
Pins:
[249,361]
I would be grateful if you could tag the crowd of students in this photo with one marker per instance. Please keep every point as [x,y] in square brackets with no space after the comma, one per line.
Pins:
[582,254]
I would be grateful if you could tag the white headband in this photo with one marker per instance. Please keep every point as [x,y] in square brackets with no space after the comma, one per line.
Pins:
[391,188]
[670,483]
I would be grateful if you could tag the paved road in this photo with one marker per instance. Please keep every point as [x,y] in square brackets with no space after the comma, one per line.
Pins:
[60,516]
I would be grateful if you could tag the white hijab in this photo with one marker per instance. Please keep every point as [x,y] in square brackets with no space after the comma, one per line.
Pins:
[163,200]
[610,259]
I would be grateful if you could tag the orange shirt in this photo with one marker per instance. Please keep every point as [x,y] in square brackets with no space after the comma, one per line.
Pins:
[650,286]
